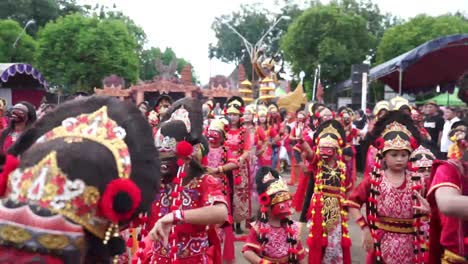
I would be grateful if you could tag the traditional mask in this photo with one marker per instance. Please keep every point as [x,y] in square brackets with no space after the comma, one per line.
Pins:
[281,210]
[214,137]
[327,152]
[19,113]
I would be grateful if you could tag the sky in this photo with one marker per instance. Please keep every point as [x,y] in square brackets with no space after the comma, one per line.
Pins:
[185,25]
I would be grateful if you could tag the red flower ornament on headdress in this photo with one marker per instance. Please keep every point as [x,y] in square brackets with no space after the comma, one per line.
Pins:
[120,200]
[414,143]
[379,143]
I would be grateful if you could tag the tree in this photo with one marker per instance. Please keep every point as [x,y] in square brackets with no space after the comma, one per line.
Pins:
[42,11]
[330,36]
[77,52]
[25,48]
[403,38]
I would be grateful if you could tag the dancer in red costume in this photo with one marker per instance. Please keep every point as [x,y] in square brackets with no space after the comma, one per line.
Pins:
[238,149]
[219,167]
[380,110]
[274,238]
[251,130]
[448,196]
[321,115]
[83,176]
[395,207]
[346,118]
[265,139]
[190,203]
[301,126]
[324,205]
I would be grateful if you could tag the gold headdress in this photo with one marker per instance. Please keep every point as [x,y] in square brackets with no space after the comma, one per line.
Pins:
[382,105]
[423,161]
[47,186]
[97,127]
[398,102]
[217,125]
[397,143]
[235,105]
[325,137]
[251,108]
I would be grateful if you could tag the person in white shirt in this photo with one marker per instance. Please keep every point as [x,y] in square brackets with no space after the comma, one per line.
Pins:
[450,116]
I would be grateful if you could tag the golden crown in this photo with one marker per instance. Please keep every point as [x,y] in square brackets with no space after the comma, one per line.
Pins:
[330,129]
[277,186]
[47,186]
[396,127]
[328,141]
[234,107]
[382,105]
[97,127]
[397,144]
[217,125]
[280,197]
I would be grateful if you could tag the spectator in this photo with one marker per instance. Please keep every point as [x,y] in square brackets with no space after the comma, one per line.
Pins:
[450,116]
[143,107]
[434,124]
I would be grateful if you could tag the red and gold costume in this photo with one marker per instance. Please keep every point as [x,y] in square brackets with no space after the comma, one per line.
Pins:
[448,235]
[238,143]
[217,158]
[57,204]
[325,201]
[188,243]
[346,117]
[265,135]
[274,244]
[196,243]
[394,224]
[380,109]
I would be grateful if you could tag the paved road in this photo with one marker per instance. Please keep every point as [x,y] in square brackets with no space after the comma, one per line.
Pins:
[357,253]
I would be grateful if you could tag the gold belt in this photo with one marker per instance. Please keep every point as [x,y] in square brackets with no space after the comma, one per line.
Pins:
[395,225]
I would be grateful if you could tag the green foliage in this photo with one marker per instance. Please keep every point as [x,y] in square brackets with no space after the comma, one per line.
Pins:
[402,38]
[328,35]
[25,47]
[42,11]
[77,52]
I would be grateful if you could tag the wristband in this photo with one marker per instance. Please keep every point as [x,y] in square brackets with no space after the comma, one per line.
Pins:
[179,217]
[362,223]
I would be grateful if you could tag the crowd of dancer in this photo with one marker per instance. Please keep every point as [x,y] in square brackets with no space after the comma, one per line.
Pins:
[97,180]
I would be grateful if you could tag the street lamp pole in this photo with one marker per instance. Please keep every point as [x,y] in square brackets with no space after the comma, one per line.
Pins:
[29,23]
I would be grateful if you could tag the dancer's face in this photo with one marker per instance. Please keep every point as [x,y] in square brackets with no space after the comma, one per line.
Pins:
[248,117]
[396,160]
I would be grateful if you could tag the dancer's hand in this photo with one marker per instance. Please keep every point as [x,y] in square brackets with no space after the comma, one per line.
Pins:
[423,206]
[212,171]
[161,229]
[367,240]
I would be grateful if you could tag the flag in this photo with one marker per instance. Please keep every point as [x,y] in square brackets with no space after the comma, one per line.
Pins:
[319,93]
